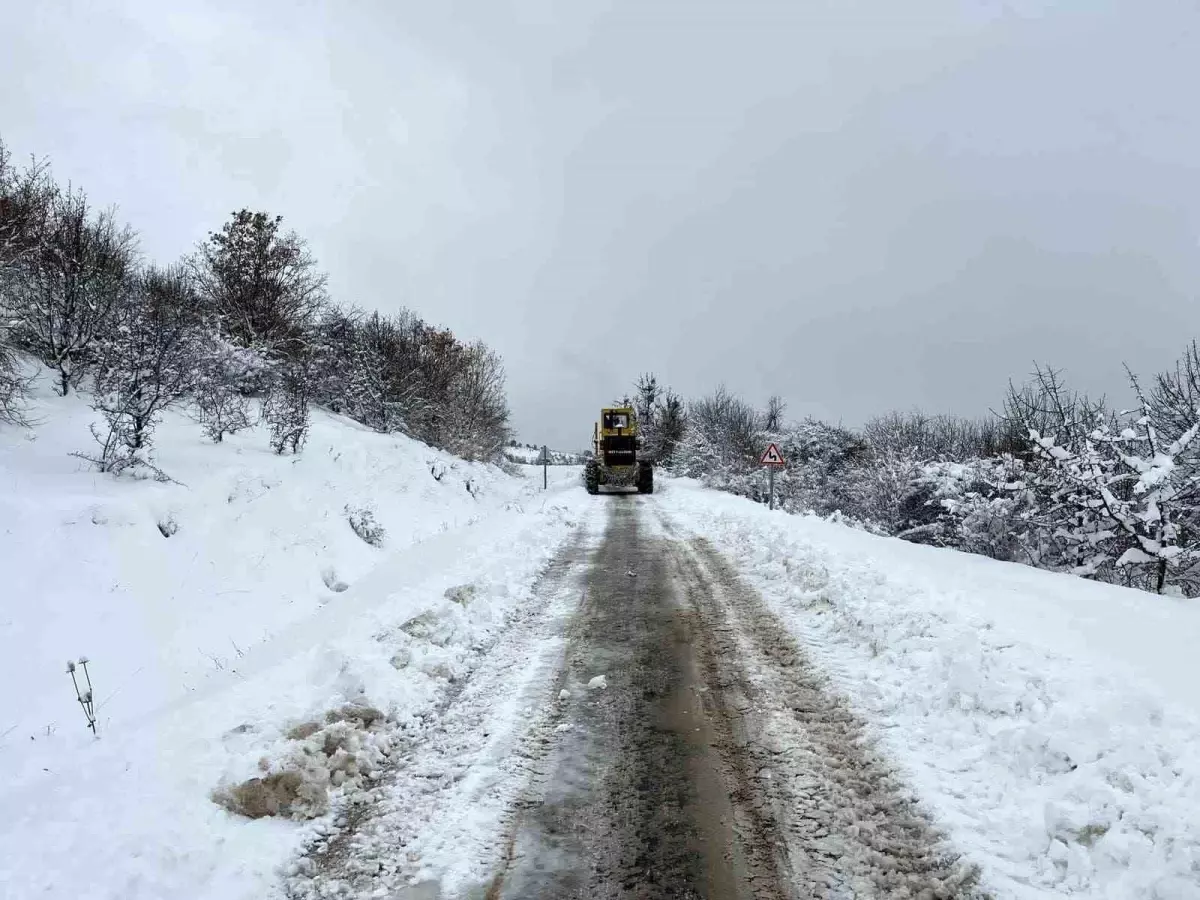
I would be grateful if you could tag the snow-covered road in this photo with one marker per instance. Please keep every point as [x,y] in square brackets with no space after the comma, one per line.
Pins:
[662,735]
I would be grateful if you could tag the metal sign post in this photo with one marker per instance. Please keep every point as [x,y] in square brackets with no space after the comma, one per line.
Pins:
[773,460]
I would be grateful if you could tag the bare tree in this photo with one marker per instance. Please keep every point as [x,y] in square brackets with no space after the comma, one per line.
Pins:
[25,201]
[773,418]
[65,292]
[937,437]
[439,358]
[477,413]
[646,401]
[24,206]
[1175,396]
[1047,406]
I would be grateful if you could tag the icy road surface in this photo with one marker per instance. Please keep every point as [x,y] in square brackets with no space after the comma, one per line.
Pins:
[648,730]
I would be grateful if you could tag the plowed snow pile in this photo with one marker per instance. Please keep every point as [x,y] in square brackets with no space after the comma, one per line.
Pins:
[244,639]
[1050,724]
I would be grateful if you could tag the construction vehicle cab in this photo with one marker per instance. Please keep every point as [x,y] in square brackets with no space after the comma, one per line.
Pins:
[617,458]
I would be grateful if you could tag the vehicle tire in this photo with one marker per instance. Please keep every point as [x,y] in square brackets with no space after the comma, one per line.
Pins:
[591,478]
[645,480]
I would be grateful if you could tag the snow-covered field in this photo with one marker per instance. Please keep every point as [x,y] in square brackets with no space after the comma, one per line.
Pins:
[531,456]
[217,614]
[526,455]
[1051,725]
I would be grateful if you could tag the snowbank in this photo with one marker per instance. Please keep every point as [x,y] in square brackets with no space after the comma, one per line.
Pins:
[1051,725]
[218,613]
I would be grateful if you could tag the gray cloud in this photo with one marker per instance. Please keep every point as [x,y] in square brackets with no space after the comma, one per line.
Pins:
[857,209]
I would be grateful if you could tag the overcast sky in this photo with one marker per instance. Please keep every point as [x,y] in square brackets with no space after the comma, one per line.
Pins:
[857,209]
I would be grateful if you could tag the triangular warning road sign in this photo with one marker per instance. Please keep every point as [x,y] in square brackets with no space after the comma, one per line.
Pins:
[771,457]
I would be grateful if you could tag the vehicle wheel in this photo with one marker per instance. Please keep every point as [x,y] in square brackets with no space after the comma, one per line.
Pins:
[646,481]
[591,478]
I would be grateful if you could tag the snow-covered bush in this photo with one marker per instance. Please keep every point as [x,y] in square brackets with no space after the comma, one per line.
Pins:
[144,363]
[885,489]
[1118,492]
[1126,502]
[362,521]
[721,439]
[226,375]
[286,409]
[984,507]
[1059,481]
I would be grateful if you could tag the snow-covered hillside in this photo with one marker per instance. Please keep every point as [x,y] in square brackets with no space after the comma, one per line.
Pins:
[217,613]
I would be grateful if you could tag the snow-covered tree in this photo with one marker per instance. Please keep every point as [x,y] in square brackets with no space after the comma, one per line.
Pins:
[1175,398]
[24,202]
[286,410]
[144,362]
[14,383]
[396,373]
[662,419]
[670,424]
[384,390]
[335,342]
[1121,492]
[1126,500]
[262,283]
[226,375]
[722,437]
[63,294]
[820,461]
[26,197]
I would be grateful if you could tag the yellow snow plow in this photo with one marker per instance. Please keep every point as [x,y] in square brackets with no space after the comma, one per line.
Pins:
[617,458]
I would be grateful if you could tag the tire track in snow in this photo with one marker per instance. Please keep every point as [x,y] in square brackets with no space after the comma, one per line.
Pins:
[475,751]
[636,802]
[850,827]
